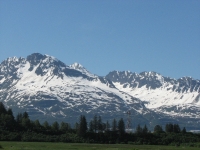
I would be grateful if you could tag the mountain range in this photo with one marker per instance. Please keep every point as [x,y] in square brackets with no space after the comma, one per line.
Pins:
[48,89]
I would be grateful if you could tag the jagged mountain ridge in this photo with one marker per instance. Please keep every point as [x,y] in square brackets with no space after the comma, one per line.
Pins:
[47,88]
[179,97]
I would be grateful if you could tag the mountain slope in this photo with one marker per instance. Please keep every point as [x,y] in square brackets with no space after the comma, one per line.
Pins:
[50,90]
[161,94]
[47,88]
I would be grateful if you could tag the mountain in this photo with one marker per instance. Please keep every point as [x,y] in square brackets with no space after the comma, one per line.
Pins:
[178,98]
[48,89]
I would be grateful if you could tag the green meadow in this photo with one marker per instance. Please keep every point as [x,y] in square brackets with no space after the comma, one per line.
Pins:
[75,146]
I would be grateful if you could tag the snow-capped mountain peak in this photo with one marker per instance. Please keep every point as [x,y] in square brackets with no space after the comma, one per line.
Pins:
[77,66]
[45,86]
[82,69]
[160,93]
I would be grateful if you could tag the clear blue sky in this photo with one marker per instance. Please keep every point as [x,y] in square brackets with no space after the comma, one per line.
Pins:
[106,35]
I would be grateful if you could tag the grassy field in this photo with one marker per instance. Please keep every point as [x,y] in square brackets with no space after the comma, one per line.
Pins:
[72,146]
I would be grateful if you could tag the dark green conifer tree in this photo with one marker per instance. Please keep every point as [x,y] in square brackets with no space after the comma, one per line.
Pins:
[169,128]
[99,124]
[47,127]
[184,130]
[114,125]
[138,130]
[37,125]
[176,128]
[55,126]
[91,126]
[82,126]
[2,109]
[95,123]
[145,129]
[107,126]
[158,129]
[121,127]
[64,127]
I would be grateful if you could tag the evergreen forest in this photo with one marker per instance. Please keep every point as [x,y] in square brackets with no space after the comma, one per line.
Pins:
[22,128]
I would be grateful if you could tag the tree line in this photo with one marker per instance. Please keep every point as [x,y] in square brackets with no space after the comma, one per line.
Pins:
[22,128]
